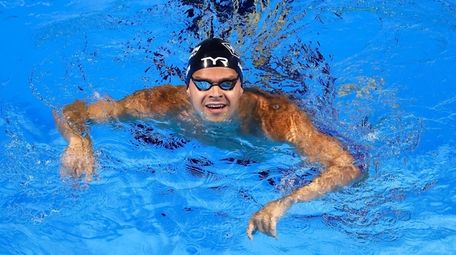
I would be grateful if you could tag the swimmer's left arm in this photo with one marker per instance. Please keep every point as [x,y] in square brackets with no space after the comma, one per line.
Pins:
[318,147]
[292,125]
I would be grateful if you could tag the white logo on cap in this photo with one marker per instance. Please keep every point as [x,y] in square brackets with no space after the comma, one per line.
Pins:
[214,61]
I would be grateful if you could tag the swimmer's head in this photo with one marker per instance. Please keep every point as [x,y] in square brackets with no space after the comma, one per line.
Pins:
[213,52]
[214,80]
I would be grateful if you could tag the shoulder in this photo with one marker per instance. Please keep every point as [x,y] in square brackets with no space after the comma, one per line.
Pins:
[276,114]
[266,102]
[160,99]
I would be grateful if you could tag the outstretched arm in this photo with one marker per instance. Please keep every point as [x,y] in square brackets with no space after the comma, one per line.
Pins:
[78,157]
[284,121]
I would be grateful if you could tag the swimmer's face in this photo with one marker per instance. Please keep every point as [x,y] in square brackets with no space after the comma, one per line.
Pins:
[215,104]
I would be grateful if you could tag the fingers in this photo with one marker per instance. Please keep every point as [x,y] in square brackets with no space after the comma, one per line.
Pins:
[64,171]
[251,229]
[272,229]
[76,164]
[268,226]
[80,166]
[261,225]
[89,170]
[84,166]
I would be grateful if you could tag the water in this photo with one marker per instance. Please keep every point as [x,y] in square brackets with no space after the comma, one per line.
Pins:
[378,75]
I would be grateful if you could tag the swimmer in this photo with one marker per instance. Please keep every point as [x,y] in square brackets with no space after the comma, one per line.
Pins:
[214,92]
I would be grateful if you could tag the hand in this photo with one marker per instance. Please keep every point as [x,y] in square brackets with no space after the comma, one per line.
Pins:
[265,220]
[78,158]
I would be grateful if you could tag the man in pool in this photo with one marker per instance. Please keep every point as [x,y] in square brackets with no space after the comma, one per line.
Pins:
[214,92]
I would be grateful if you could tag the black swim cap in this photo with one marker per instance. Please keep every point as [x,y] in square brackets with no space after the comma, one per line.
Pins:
[213,52]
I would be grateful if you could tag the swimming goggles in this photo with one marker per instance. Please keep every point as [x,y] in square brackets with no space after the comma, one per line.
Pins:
[204,85]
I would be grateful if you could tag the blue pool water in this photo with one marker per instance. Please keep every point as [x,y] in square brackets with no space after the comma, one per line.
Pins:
[378,75]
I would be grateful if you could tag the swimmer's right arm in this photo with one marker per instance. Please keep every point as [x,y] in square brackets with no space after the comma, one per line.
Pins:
[78,157]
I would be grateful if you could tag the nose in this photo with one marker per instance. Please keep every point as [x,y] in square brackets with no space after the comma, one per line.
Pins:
[215,92]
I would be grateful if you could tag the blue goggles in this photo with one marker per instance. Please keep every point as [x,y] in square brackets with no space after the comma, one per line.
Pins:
[204,85]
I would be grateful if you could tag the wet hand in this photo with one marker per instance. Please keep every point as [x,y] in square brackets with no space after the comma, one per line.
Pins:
[78,159]
[265,220]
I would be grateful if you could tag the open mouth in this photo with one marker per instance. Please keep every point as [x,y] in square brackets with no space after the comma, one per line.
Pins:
[215,106]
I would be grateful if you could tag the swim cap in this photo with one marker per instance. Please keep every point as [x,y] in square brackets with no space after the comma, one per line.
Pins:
[213,52]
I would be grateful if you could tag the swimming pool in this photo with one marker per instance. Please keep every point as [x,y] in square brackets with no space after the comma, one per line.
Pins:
[378,75]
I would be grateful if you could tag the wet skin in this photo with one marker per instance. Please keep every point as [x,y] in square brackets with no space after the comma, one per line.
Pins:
[275,116]
[215,104]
